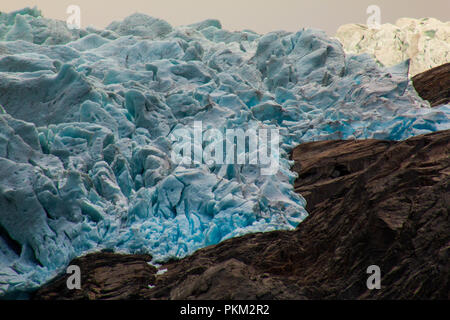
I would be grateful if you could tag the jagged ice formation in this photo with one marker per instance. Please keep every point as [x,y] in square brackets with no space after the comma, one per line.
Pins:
[425,41]
[87,115]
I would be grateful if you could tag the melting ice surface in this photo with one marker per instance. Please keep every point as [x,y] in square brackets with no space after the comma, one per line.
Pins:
[87,114]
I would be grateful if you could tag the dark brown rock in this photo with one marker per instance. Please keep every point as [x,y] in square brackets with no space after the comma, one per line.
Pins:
[106,276]
[371,203]
[434,85]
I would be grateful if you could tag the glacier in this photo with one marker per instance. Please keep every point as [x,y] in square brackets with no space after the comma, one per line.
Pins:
[425,41]
[86,118]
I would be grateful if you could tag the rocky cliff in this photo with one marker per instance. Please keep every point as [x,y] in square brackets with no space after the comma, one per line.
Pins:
[371,202]
[434,85]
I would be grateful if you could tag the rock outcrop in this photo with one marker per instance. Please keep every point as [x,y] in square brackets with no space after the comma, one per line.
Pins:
[434,85]
[105,275]
[371,202]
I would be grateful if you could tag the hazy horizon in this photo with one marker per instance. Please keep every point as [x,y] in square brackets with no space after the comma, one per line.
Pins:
[262,17]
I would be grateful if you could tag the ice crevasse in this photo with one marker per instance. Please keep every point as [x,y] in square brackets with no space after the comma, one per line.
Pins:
[87,116]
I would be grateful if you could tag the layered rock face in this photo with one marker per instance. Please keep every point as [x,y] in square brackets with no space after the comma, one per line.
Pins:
[371,202]
[434,85]
[106,275]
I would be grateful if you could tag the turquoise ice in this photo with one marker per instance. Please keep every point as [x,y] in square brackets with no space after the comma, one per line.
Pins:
[87,115]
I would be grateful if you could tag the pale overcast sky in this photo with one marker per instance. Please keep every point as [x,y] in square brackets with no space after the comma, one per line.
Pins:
[258,15]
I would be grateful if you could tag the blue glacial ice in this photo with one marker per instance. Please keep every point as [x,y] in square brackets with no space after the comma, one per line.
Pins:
[86,117]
